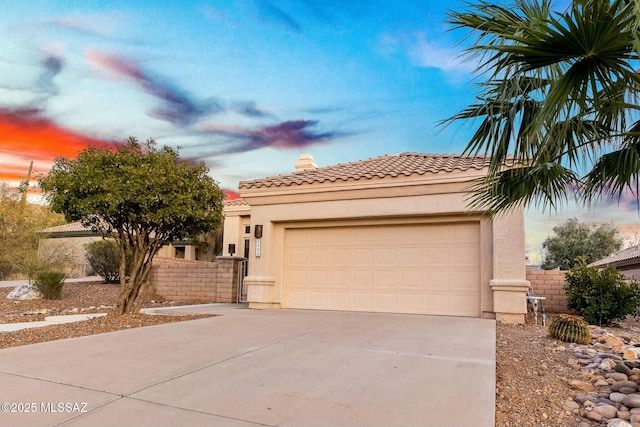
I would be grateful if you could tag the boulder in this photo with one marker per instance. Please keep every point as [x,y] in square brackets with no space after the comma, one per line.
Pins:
[25,292]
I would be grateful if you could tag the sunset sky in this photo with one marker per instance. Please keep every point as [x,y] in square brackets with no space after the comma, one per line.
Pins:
[246,86]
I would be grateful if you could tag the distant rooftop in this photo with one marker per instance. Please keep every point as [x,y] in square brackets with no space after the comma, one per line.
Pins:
[623,255]
[404,164]
[74,227]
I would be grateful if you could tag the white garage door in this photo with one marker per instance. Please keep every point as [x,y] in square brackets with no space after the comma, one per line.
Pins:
[418,268]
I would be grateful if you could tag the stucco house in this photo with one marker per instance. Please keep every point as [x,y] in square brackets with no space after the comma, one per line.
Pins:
[388,234]
[71,239]
[627,261]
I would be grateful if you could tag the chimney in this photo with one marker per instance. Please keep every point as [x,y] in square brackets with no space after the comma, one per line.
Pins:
[305,163]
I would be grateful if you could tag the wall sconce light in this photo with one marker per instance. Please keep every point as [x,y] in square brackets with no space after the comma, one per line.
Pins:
[232,249]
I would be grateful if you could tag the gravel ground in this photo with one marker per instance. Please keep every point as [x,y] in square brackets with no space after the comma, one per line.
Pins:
[76,298]
[532,376]
[532,369]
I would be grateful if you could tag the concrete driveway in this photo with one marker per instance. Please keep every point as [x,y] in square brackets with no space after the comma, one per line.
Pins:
[250,368]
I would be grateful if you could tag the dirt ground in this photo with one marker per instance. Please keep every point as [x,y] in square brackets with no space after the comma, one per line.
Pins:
[77,298]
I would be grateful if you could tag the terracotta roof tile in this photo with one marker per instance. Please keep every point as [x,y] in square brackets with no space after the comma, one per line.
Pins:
[405,164]
[235,202]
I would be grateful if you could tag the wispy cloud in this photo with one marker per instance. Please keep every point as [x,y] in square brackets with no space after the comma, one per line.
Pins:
[249,109]
[431,54]
[425,51]
[291,134]
[106,25]
[52,66]
[275,14]
[178,106]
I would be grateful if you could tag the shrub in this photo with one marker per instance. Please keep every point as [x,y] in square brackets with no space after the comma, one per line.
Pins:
[601,296]
[104,257]
[50,283]
[570,329]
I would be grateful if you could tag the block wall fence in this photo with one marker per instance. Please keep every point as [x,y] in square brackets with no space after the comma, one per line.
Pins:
[549,284]
[195,281]
[201,282]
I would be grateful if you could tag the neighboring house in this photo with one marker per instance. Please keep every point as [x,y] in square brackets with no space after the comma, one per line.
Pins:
[68,240]
[627,261]
[387,234]
[72,238]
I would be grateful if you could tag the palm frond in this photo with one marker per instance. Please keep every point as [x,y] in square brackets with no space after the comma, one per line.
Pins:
[617,171]
[546,185]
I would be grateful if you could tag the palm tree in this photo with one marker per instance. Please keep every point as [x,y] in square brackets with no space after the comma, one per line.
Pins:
[557,102]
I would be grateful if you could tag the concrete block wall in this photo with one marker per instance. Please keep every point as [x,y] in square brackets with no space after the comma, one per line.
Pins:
[195,281]
[549,284]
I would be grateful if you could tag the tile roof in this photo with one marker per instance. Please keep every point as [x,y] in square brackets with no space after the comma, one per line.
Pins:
[74,227]
[624,255]
[403,164]
[235,202]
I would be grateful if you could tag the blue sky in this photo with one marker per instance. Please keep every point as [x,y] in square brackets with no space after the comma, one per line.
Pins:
[246,86]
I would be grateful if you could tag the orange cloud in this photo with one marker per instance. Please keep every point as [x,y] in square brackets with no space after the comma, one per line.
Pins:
[26,136]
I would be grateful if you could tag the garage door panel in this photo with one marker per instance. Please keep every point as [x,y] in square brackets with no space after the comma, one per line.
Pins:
[339,278]
[338,301]
[361,301]
[361,256]
[435,255]
[410,280]
[317,278]
[411,255]
[385,279]
[419,268]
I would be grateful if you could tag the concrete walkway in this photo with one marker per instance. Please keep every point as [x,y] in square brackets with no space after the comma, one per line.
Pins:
[69,318]
[14,283]
[249,368]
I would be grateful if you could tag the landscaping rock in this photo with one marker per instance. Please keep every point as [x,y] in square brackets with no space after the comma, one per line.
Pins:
[624,384]
[632,401]
[606,411]
[623,368]
[593,415]
[25,292]
[629,354]
[617,376]
[581,386]
[617,397]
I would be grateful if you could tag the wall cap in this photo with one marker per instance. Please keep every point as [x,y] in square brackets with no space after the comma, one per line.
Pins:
[260,280]
[514,284]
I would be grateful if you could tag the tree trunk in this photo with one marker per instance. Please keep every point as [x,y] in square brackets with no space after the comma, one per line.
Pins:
[133,290]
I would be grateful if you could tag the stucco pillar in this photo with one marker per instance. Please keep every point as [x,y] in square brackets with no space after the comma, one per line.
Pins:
[261,292]
[509,285]
[510,300]
[190,253]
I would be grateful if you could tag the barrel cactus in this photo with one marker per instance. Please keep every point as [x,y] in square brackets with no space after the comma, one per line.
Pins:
[570,329]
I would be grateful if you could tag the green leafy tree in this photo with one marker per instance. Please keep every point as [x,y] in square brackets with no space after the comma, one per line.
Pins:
[19,224]
[140,195]
[574,240]
[557,100]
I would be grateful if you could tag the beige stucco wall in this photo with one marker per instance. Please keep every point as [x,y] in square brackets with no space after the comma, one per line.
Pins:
[71,247]
[235,218]
[399,200]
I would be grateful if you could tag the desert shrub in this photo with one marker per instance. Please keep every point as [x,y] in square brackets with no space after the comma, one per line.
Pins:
[601,296]
[104,257]
[50,283]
